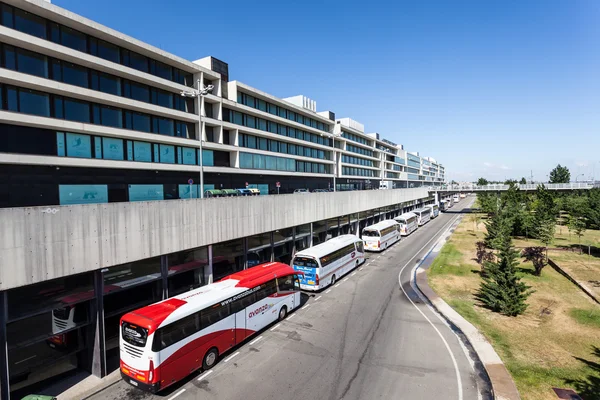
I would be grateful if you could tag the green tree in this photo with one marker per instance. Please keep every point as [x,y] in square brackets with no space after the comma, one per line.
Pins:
[482,182]
[545,232]
[523,181]
[501,289]
[577,226]
[592,212]
[560,174]
[488,202]
[536,256]
[510,181]
[545,212]
[498,228]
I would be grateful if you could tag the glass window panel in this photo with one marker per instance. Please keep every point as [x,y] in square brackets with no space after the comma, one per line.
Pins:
[249,100]
[73,39]
[262,105]
[272,108]
[291,132]
[30,23]
[300,134]
[283,148]
[273,145]
[142,151]
[109,84]
[262,124]
[112,149]
[258,161]
[75,75]
[291,164]
[76,110]
[245,160]
[251,141]
[162,98]
[162,70]
[108,51]
[282,112]
[165,126]
[139,92]
[271,162]
[78,145]
[188,155]
[291,115]
[138,61]
[281,164]
[31,63]
[111,117]
[250,121]
[300,166]
[282,130]
[7,15]
[208,158]
[238,118]
[292,149]
[141,122]
[262,144]
[306,152]
[10,58]
[167,154]
[32,102]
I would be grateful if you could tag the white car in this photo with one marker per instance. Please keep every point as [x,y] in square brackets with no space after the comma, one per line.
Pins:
[301,191]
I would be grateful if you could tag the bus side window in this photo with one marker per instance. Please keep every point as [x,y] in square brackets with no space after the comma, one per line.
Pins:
[266,290]
[213,315]
[242,303]
[359,247]
[286,283]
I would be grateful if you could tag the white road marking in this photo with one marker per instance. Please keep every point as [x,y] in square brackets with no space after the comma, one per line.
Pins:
[275,327]
[204,375]
[352,274]
[231,356]
[328,290]
[458,379]
[288,318]
[306,306]
[256,340]
[318,298]
[177,394]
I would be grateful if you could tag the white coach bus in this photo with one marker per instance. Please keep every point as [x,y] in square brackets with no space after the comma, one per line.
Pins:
[435,210]
[324,263]
[423,215]
[408,223]
[381,235]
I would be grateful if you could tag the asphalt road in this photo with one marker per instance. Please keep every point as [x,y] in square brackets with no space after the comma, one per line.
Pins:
[361,339]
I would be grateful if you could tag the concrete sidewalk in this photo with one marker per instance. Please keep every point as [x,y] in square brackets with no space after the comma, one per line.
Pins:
[503,385]
[90,386]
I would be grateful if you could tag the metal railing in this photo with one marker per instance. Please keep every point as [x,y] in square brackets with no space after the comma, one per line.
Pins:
[526,187]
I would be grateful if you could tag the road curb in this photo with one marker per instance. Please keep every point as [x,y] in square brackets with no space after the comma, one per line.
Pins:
[90,387]
[503,385]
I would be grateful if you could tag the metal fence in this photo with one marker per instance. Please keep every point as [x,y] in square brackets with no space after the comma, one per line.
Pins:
[527,187]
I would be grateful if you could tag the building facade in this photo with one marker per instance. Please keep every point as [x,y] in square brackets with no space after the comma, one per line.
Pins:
[90,116]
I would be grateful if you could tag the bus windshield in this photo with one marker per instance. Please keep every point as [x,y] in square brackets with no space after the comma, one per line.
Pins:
[369,233]
[305,262]
[133,334]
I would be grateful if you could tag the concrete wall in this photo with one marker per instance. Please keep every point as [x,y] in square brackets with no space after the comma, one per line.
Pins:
[40,243]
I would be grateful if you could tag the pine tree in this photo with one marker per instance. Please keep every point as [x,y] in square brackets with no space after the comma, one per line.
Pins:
[498,228]
[501,289]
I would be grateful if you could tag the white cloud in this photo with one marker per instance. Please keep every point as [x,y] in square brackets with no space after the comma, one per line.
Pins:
[504,167]
[487,164]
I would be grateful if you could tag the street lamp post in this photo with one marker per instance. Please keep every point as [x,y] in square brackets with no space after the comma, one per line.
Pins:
[199,94]
[577,177]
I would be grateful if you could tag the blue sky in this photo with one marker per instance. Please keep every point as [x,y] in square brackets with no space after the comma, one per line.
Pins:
[489,88]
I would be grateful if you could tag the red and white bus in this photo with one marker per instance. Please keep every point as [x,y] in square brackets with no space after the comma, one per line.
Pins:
[162,343]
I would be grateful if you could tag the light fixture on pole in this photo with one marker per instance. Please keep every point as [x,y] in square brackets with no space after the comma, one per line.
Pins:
[577,177]
[199,94]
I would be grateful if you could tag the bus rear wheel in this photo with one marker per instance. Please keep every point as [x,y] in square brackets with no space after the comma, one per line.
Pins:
[282,313]
[210,359]
[332,280]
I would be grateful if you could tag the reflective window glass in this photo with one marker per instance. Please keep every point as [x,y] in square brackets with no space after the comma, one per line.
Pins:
[258,161]
[262,124]
[137,91]
[76,110]
[271,162]
[161,70]
[138,61]
[112,148]
[162,98]
[10,58]
[73,39]
[142,151]
[246,160]
[165,126]
[262,144]
[30,23]
[167,154]
[281,164]
[31,63]
[108,51]
[75,75]
[111,117]
[6,18]
[251,142]
[32,102]
[109,84]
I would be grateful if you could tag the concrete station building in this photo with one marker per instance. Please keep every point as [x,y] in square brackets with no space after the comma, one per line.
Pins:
[94,129]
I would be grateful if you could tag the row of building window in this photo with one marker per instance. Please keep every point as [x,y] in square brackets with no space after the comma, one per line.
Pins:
[386,149]
[282,112]
[355,138]
[250,121]
[414,171]
[414,158]
[395,167]
[28,101]
[414,164]
[42,28]
[413,177]
[391,175]
[359,150]
[357,171]
[357,161]
[36,64]
[259,161]
[254,142]
[85,146]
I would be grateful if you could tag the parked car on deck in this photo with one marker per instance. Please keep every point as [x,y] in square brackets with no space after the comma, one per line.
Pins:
[301,191]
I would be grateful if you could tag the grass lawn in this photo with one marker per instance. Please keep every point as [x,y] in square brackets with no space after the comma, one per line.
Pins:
[555,343]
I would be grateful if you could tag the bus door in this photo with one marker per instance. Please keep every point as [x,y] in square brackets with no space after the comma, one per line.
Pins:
[240,326]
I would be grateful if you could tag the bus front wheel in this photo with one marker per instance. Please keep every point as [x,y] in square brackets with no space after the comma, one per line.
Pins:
[210,359]
[332,280]
[282,313]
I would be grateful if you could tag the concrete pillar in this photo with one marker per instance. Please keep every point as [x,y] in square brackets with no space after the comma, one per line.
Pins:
[310,242]
[437,198]
[99,350]
[164,273]
[4,374]
[272,236]
[208,269]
